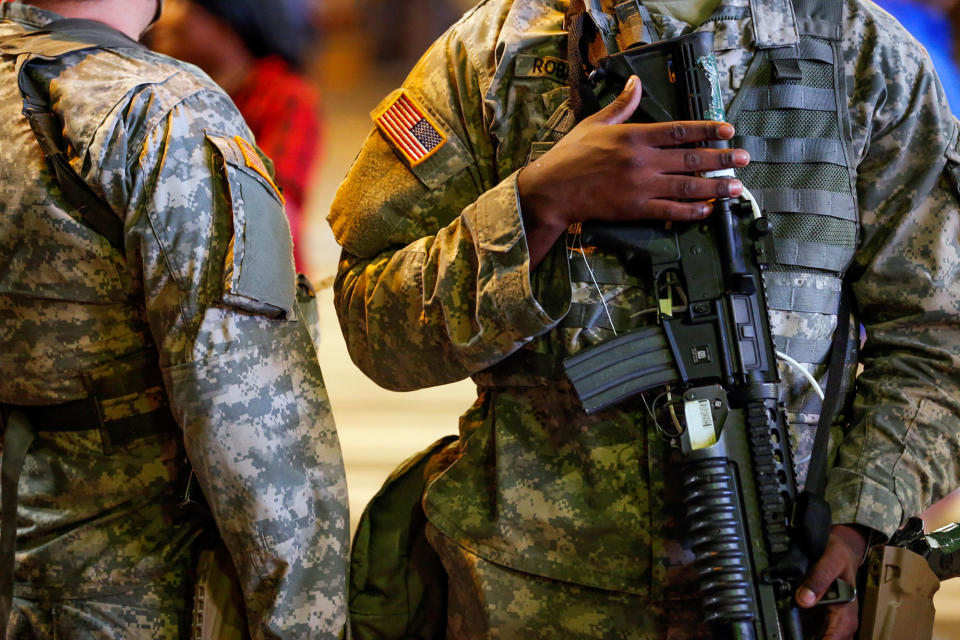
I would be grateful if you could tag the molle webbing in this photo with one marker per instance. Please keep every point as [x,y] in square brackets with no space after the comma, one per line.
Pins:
[788,97]
[792,149]
[819,18]
[811,255]
[809,300]
[809,201]
[729,13]
[791,125]
[819,28]
[803,349]
[808,49]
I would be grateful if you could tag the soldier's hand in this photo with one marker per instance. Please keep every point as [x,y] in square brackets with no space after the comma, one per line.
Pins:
[841,559]
[608,169]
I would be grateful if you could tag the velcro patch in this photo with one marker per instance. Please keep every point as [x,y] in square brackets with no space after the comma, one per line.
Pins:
[530,66]
[255,162]
[408,127]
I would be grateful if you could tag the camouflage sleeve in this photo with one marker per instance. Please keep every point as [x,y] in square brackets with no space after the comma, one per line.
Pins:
[903,452]
[206,225]
[435,282]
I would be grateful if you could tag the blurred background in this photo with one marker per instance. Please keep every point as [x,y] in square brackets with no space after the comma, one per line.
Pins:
[306,74]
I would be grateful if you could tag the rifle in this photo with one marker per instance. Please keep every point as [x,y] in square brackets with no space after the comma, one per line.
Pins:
[902,578]
[753,536]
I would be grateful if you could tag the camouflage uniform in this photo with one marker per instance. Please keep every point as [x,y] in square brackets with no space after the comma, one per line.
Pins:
[104,549]
[557,524]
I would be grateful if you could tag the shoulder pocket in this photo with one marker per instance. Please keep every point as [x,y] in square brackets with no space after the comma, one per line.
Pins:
[258,272]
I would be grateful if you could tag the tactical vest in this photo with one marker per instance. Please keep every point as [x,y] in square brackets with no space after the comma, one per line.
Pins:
[791,115]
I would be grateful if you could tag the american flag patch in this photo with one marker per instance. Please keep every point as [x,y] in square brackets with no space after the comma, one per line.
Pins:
[407,127]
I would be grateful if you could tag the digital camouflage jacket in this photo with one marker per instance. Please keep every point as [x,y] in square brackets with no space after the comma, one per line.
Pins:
[205,288]
[435,283]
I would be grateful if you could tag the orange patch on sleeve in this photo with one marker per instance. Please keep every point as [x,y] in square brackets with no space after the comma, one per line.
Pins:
[255,162]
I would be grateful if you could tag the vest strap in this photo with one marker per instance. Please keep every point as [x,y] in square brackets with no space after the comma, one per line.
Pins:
[804,350]
[807,300]
[774,23]
[809,201]
[812,255]
[729,13]
[788,97]
[792,149]
[580,32]
[808,49]
[819,28]
[86,415]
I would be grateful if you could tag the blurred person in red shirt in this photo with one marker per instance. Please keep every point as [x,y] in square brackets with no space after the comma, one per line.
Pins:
[254,50]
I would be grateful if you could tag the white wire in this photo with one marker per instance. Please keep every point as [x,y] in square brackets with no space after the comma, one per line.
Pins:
[606,310]
[806,374]
[753,203]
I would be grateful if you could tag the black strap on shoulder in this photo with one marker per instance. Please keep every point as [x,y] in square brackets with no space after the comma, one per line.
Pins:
[46,126]
[94,212]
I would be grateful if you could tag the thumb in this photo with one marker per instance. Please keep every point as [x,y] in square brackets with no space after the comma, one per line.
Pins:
[620,110]
[818,580]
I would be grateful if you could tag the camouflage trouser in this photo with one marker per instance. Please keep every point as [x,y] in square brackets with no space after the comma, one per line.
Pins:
[489,601]
[160,611]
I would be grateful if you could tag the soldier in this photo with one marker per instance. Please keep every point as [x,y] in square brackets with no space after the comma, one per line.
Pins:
[153,347]
[458,262]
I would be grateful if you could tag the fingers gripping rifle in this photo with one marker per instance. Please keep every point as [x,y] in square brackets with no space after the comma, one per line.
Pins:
[716,354]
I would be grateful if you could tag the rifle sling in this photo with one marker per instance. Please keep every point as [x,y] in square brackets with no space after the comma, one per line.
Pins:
[582,31]
[817,475]
[812,517]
